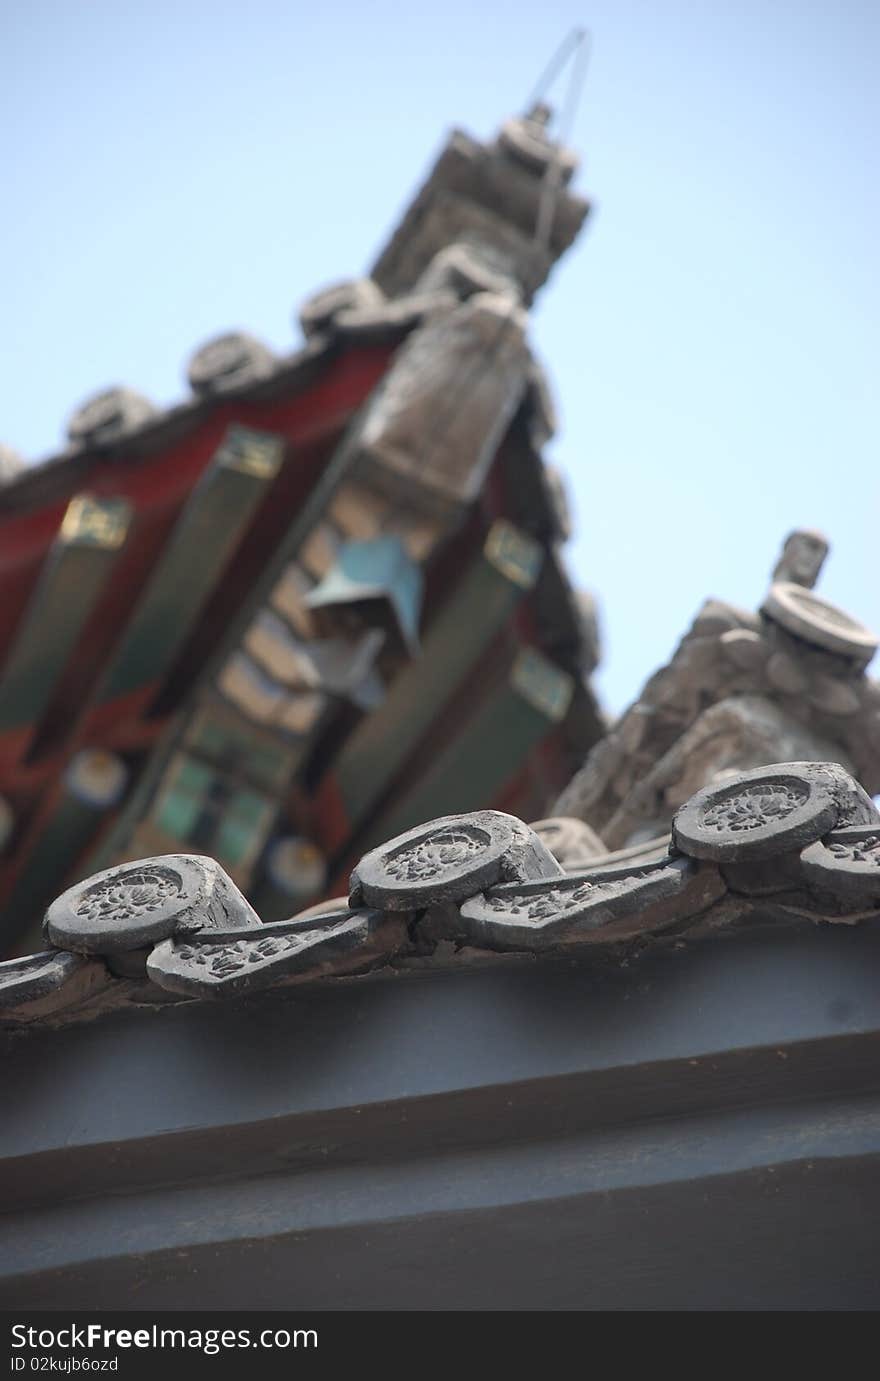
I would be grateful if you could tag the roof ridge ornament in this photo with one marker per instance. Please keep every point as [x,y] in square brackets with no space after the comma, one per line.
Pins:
[227,361]
[741,689]
[12,464]
[110,415]
[814,620]
[802,557]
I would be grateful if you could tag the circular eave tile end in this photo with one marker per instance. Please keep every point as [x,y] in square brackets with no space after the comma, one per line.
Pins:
[110,415]
[847,863]
[123,908]
[228,361]
[755,815]
[819,622]
[446,860]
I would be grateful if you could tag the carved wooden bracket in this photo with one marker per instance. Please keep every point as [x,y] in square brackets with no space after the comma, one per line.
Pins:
[785,843]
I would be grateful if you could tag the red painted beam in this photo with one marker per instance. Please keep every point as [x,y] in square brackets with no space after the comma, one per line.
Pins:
[158,487]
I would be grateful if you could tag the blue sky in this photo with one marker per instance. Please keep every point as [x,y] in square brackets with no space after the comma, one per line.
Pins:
[174,170]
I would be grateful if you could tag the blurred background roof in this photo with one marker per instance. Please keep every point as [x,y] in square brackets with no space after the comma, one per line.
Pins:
[175,170]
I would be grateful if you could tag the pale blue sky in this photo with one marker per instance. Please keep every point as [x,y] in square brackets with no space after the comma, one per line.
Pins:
[174,170]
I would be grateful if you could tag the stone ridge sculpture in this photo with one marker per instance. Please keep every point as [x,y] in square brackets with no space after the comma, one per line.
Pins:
[783,844]
[740,690]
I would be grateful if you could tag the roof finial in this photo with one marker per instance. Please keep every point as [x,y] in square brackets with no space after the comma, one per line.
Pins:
[802,557]
[576,45]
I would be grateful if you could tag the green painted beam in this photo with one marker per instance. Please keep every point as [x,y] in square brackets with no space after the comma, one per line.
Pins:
[488,750]
[480,605]
[302,523]
[224,745]
[73,579]
[213,522]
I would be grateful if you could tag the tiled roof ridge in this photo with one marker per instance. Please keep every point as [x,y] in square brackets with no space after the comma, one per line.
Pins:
[500,183]
[788,843]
